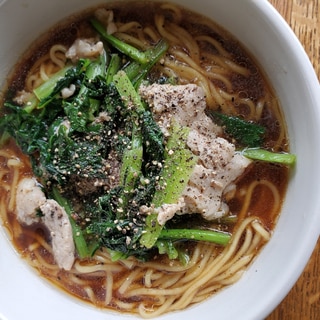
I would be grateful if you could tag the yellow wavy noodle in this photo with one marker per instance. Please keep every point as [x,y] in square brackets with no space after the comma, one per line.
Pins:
[160,26]
[188,41]
[46,66]
[281,138]
[177,14]
[132,40]
[249,194]
[221,51]
[109,288]
[13,164]
[151,33]
[4,212]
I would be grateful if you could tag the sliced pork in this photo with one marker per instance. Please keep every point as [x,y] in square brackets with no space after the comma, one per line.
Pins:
[84,48]
[106,17]
[187,103]
[218,166]
[57,221]
[33,207]
[29,198]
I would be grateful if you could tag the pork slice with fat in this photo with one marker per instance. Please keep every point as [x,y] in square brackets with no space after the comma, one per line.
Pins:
[57,221]
[29,198]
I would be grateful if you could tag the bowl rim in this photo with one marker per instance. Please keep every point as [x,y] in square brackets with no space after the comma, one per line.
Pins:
[261,309]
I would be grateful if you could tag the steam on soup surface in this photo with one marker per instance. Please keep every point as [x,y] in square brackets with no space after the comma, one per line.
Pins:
[127,174]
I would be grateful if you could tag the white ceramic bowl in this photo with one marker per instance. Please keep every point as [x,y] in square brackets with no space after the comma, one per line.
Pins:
[266,35]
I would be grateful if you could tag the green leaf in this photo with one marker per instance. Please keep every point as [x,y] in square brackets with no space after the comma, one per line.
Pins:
[246,133]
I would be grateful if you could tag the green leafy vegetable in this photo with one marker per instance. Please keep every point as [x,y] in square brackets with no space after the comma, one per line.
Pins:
[45,90]
[179,163]
[138,71]
[119,207]
[123,47]
[246,133]
[113,67]
[133,154]
[141,63]
[48,91]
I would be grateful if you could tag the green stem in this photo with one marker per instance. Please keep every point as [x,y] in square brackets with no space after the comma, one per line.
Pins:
[217,237]
[166,247]
[123,47]
[128,93]
[178,166]
[113,67]
[179,163]
[31,104]
[133,156]
[264,155]
[47,87]
[137,71]
[131,168]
